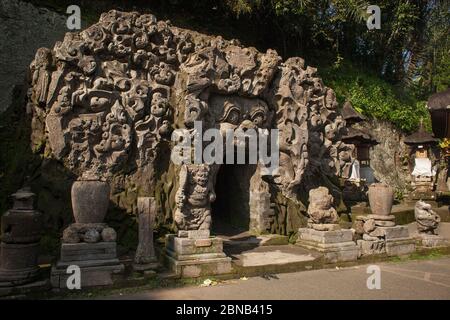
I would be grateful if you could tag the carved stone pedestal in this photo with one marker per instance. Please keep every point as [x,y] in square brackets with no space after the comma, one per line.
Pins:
[97,262]
[195,254]
[431,240]
[336,245]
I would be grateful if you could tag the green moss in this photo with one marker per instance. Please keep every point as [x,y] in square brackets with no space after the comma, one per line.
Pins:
[374,97]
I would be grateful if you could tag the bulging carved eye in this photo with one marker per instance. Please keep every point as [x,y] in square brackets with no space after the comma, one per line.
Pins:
[258,119]
[233,115]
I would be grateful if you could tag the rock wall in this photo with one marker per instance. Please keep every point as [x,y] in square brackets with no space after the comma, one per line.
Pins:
[390,158]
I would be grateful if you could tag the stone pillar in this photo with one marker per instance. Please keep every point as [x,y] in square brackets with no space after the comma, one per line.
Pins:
[145,258]
[21,232]
[88,243]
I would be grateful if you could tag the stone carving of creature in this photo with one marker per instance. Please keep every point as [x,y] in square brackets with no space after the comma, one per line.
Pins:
[330,100]
[41,75]
[427,220]
[194,197]
[320,209]
[239,113]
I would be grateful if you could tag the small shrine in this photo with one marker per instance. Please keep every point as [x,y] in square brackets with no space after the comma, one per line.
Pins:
[361,172]
[422,168]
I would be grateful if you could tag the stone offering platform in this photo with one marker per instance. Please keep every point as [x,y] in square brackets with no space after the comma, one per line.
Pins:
[195,253]
[97,261]
[335,245]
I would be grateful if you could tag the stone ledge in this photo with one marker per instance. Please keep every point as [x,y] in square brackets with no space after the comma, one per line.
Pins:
[199,267]
[401,246]
[335,236]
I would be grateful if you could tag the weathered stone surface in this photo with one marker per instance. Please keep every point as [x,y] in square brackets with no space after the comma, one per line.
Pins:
[36,27]
[124,83]
[109,235]
[399,247]
[70,235]
[380,217]
[390,232]
[427,220]
[79,252]
[194,234]
[335,236]
[381,223]
[145,252]
[369,225]
[91,236]
[196,257]
[90,199]
[334,245]
[371,247]
[432,240]
[381,197]
[186,246]
[20,235]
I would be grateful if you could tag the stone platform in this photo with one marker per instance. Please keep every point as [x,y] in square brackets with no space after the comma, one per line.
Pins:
[195,255]
[336,245]
[97,262]
[393,241]
[431,240]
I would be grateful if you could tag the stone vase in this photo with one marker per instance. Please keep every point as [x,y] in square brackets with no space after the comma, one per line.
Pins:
[90,200]
[381,197]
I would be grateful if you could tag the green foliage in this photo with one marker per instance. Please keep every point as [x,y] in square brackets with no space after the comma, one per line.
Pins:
[375,97]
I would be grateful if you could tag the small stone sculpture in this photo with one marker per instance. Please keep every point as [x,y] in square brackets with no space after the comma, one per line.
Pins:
[322,215]
[427,220]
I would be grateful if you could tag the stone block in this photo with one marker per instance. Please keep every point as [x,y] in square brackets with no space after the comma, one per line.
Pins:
[335,236]
[194,234]
[371,247]
[196,257]
[336,246]
[92,276]
[187,246]
[432,240]
[391,232]
[202,266]
[19,256]
[400,246]
[88,251]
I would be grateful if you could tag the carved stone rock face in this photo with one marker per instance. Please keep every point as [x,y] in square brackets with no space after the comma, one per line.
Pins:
[110,96]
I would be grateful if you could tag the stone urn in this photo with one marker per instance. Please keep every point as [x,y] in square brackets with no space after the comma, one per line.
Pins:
[381,197]
[90,199]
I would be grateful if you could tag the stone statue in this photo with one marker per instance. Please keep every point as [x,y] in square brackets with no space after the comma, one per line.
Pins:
[322,215]
[194,196]
[427,220]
